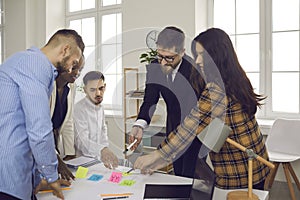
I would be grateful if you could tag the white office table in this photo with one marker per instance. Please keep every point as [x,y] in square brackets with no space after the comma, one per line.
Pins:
[83,189]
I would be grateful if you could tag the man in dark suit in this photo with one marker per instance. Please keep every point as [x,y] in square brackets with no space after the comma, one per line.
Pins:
[169,77]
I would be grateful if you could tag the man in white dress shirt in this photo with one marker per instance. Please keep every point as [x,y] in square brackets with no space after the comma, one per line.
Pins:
[90,129]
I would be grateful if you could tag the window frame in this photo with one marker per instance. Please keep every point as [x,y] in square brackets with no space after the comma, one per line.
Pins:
[265,59]
[98,12]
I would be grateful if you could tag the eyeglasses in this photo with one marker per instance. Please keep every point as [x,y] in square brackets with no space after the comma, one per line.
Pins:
[168,59]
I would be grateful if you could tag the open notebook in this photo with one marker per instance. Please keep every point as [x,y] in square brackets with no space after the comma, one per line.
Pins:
[202,187]
[81,161]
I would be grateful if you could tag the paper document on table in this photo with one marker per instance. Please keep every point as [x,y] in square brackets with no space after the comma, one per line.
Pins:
[81,161]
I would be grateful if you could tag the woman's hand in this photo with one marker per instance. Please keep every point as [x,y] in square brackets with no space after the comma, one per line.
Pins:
[149,163]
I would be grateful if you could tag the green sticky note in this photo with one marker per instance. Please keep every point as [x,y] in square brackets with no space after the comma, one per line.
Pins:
[81,172]
[127,182]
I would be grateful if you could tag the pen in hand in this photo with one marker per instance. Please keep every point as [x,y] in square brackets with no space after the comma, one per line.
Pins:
[127,148]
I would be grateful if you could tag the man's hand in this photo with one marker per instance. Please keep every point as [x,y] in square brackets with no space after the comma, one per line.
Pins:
[55,186]
[43,185]
[136,133]
[109,159]
[63,170]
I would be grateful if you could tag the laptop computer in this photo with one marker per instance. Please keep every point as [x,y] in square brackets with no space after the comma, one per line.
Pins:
[202,187]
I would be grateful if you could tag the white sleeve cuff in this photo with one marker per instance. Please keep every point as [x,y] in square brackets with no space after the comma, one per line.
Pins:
[142,123]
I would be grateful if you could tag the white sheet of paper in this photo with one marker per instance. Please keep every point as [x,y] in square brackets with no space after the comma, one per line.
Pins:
[82,160]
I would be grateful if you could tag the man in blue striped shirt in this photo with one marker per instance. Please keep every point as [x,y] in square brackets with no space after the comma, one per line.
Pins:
[27,150]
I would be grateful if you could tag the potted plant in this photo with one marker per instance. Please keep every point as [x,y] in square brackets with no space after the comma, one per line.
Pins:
[148,56]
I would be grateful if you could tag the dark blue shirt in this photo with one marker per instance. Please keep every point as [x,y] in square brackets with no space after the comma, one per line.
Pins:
[61,107]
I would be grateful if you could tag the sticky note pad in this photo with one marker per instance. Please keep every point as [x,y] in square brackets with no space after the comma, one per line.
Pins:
[115,177]
[127,182]
[81,172]
[95,177]
[125,174]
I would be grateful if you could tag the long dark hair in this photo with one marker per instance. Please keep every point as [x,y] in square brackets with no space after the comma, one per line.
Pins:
[220,55]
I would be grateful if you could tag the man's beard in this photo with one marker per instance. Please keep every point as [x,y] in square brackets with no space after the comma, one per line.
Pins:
[60,66]
[98,101]
[166,69]
[94,100]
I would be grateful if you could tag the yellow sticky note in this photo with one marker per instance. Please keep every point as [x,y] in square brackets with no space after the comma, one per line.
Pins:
[81,172]
[125,174]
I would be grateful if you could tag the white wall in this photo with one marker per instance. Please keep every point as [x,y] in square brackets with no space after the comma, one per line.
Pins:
[15,26]
[201,20]
[141,16]
[55,17]
[31,22]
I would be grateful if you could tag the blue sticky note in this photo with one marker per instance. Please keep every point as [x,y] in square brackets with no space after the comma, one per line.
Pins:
[95,177]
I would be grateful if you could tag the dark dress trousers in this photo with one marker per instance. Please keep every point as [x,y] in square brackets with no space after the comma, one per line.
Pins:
[180,98]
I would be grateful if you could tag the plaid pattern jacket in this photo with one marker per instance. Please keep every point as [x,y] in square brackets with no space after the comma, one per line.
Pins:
[230,164]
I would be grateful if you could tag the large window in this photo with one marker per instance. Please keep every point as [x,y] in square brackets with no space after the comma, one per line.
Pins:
[266,38]
[100,24]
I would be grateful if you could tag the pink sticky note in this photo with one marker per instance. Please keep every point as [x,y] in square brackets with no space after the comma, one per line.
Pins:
[115,177]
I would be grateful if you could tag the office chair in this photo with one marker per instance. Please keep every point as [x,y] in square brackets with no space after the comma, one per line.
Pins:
[283,148]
